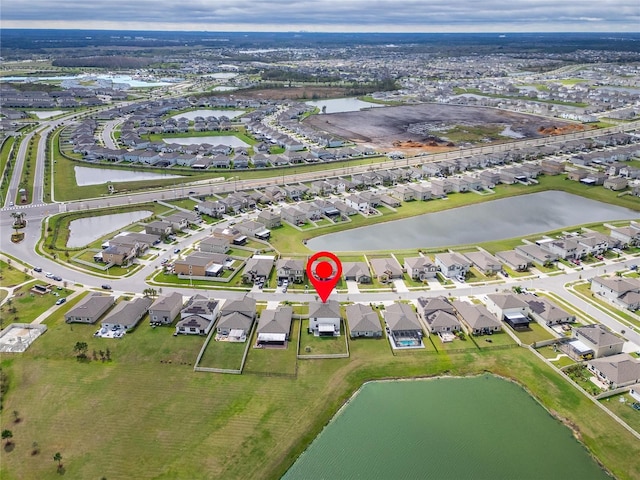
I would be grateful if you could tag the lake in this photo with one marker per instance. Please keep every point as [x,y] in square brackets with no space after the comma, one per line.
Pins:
[209,113]
[229,140]
[495,220]
[338,105]
[447,428]
[97,176]
[87,230]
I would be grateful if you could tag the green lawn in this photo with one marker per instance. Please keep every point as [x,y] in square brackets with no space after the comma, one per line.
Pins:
[624,410]
[494,340]
[311,345]
[274,361]
[536,333]
[223,355]
[27,306]
[12,275]
[7,146]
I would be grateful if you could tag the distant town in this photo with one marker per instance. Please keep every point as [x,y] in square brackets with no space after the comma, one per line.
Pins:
[160,204]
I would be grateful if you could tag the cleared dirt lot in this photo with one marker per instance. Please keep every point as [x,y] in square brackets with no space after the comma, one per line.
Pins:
[435,125]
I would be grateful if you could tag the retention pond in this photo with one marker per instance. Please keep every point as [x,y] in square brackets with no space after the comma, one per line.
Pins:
[448,428]
[483,222]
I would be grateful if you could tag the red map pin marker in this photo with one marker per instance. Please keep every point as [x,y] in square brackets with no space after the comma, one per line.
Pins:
[324,275]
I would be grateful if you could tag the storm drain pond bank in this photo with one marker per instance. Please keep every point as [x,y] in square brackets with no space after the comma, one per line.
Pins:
[446,428]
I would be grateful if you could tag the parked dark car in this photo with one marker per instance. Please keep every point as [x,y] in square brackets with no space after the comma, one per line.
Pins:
[106,287]
[60,301]
[56,278]
[37,269]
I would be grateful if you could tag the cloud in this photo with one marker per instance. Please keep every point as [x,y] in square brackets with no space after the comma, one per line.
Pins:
[329,15]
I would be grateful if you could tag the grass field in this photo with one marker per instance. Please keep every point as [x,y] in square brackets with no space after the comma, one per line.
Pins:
[311,345]
[624,409]
[536,333]
[10,275]
[222,354]
[274,361]
[170,422]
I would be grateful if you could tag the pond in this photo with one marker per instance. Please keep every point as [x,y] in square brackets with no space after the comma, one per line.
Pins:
[127,79]
[447,428]
[229,140]
[87,230]
[338,105]
[483,222]
[46,113]
[97,176]
[209,113]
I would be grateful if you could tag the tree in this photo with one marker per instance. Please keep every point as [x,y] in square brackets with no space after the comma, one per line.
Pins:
[80,348]
[16,417]
[58,458]
[7,435]
[35,448]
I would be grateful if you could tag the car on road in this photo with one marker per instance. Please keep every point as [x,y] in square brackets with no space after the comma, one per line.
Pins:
[11,204]
[37,269]
[60,301]
[106,287]
[56,278]
[48,274]
[176,251]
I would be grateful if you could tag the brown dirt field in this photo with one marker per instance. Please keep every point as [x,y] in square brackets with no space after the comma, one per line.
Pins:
[392,128]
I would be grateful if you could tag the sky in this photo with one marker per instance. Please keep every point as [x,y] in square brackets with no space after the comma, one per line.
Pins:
[327,15]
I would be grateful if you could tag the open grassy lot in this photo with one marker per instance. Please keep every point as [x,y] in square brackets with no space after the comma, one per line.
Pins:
[311,345]
[223,355]
[536,333]
[12,275]
[7,146]
[169,422]
[26,306]
[274,361]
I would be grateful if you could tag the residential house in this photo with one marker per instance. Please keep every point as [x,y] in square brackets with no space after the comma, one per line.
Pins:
[484,261]
[269,218]
[198,316]
[356,271]
[165,309]
[599,340]
[201,264]
[536,254]
[236,318]
[452,265]
[274,326]
[324,318]
[214,245]
[621,291]
[258,268]
[616,371]
[294,215]
[363,321]
[627,235]
[126,314]
[292,270]
[420,268]
[403,324]
[513,260]
[253,229]
[159,227]
[213,209]
[510,308]
[90,308]
[385,269]
[478,320]
[615,183]
[546,312]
